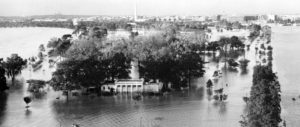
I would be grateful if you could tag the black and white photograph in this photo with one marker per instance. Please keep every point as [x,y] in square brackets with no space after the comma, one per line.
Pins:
[149,63]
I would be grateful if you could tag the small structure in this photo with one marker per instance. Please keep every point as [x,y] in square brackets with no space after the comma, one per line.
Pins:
[108,87]
[131,85]
[153,87]
[35,85]
[123,85]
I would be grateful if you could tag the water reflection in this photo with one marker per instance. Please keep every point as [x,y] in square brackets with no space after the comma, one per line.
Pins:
[244,71]
[200,93]
[38,95]
[18,84]
[28,112]
[3,104]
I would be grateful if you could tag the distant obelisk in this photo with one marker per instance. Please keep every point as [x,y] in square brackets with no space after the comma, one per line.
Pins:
[135,11]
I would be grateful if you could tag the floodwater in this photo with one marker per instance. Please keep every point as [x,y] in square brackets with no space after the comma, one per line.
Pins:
[194,108]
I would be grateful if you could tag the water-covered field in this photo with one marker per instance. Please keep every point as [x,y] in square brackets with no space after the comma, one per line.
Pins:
[180,109]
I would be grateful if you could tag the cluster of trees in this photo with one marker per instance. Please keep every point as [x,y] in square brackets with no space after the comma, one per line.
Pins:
[3,84]
[58,46]
[264,103]
[169,58]
[111,25]
[11,67]
[89,62]
[108,24]
[250,18]
[93,59]
[28,23]
[14,65]
[254,31]
[266,32]
[35,86]
[233,42]
[90,32]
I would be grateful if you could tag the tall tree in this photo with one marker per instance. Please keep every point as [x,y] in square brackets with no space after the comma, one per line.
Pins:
[117,66]
[3,84]
[89,63]
[14,66]
[174,61]
[59,46]
[264,102]
[235,42]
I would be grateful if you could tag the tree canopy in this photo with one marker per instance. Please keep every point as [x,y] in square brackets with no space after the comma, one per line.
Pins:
[14,65]
[3,84]
[89,62]
[264,102]
[170,59]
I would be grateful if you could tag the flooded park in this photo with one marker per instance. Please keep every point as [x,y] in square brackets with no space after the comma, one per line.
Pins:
[187,108]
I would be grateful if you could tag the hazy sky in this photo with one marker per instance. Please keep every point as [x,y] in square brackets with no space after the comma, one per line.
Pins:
[147,7]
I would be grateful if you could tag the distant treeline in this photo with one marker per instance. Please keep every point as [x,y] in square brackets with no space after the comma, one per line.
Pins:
[110,25]
[59,24]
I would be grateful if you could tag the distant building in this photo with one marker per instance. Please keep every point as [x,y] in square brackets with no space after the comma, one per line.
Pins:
[167,19]
[271,17]
[75,22]
[250,18]
[234,18]
[219,17]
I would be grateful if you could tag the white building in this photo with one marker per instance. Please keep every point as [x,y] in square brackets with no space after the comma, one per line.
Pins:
[75,21]
[129,85]
[108,87]
[153,87]
[132,85]
[124,85]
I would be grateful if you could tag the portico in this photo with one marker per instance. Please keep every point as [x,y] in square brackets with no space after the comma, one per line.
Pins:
[129,85]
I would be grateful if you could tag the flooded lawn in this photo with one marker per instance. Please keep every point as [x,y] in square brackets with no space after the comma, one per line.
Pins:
[193,108]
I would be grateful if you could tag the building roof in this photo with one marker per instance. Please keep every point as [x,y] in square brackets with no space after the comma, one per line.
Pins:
[130,80]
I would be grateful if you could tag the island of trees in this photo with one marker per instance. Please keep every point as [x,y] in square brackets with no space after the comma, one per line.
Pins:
[169,56]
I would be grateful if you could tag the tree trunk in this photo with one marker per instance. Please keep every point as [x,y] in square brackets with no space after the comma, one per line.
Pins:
[67,95]
[189,79]
[13,79]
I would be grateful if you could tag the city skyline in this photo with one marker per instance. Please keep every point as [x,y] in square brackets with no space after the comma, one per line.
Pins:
[146,7]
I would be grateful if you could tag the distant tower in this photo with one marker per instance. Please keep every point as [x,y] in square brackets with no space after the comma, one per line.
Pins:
[218,17]
[135,11]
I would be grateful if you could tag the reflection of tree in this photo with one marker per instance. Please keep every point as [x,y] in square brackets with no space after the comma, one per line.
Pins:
[215,58]
[18,84]
[28,112]
[39,95]
[209,92]
[244,71]
[200,92]
[74,110]
[3,103]
[223,108]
